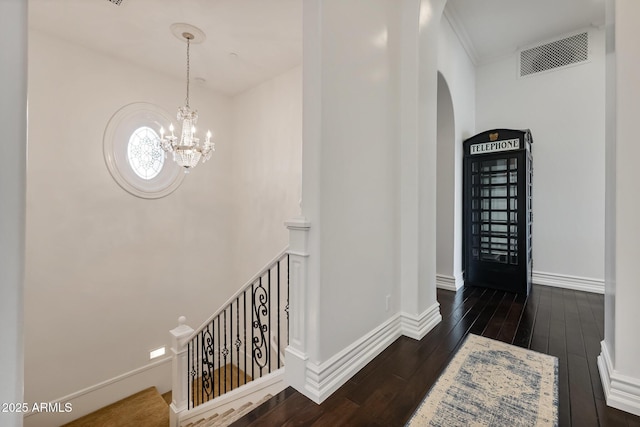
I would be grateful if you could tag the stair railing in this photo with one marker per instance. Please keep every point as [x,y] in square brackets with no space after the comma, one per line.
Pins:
[242,341]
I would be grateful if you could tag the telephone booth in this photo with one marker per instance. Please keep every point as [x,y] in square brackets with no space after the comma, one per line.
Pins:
[497,215]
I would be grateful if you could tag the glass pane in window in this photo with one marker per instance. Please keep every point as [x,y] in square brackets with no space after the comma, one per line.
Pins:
[494,165]
[144,153]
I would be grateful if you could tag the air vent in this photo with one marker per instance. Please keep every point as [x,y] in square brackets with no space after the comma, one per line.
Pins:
[116,2]
[560,53]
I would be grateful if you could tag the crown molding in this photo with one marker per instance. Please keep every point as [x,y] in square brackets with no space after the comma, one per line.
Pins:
[452,15]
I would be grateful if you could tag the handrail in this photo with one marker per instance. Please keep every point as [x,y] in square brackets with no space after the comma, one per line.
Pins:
[237,294]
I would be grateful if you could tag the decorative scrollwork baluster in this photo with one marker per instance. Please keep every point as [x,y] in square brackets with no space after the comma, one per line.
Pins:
[208,357]
[260,301]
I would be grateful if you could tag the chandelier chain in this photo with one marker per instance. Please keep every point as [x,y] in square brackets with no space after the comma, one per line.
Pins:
[188,69]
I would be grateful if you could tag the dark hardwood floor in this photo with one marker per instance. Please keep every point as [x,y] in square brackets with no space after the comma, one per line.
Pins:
[564,323]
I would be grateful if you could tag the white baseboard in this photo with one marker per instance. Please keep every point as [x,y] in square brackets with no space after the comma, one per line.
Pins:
[449,283]
[321,380]
[621,392]
[417,327]
[254,391]
[324,379]
[568,282]
[156,374]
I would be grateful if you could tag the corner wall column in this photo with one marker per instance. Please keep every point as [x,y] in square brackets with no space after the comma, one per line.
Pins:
[618,362]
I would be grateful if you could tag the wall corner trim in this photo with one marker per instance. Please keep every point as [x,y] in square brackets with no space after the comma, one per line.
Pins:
[621,392]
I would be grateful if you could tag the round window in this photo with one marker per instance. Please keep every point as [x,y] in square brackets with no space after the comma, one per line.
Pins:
[133,154]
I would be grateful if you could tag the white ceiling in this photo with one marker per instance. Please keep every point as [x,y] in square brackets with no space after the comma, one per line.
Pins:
[250,41]
[490,29]
[247,41]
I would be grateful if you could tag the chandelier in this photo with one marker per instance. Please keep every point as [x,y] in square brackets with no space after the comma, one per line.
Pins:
[187,150]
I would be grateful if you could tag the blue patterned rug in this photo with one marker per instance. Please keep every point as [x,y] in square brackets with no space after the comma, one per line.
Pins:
[490,383]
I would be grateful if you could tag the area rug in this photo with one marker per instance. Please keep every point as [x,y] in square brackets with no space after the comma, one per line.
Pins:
[490,383]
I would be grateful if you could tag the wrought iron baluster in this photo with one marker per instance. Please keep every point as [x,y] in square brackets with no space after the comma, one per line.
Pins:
[286,309]
[225,350]
[211,357]
[207,364]
[244,322]
[270,310]
[199,362]
[219,384]
[189,374]
[253,363]
[238,343]
[278,309]
[260,351]
[230,341]
[203,367]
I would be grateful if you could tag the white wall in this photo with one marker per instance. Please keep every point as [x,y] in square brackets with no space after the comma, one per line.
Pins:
[358,199]
[565,110]
[108,274]
[350,170]
[13,122]
[267,168]
[458,71]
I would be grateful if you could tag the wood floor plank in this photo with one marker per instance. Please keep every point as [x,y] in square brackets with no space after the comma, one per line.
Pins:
[295,410]
[596,301]
[575,341]
[558,348]
[487,313]
[540,334]
[583,412]
[509,329]
[527,321]
[609,417]
[339,416]
[497,321]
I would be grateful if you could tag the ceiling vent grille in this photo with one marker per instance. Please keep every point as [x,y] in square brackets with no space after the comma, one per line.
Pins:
[560,53]
[117,2]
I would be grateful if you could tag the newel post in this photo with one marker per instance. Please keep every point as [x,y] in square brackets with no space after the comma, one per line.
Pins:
[296,352]
[179,370]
